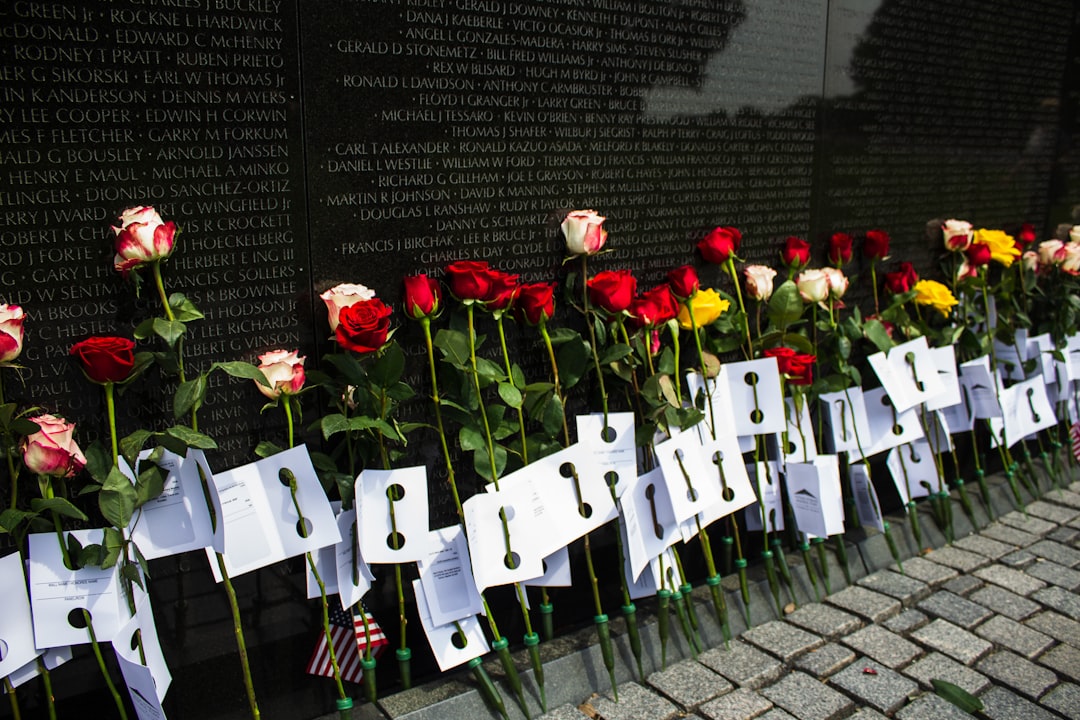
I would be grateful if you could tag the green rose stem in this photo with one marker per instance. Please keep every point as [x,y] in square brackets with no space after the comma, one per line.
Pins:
[713,580]
[13,699]
[46,483]
[344,701]
[913,512]
[965,499]
[874,283]
[940,500]
[804,548]
[502,644]
[8,452]
[980,475]
[230,592]
[487,687]
[730,265]
[841,547]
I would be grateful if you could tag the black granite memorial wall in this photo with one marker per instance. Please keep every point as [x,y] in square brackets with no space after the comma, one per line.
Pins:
[301,143]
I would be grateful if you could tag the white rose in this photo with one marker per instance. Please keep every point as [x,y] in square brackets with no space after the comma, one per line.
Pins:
[343,295]
[759,281]
[813,286]
[584,232]
[838,282]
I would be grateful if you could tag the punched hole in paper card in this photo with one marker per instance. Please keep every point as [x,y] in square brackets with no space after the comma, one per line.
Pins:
[77,618]
[395,492]
[1031,404]
[611,478]
[304,527]
[3,650]
[512,560]
[725,492]
[395,541]
[909,358]
[650,495]
[608,434]
[691,493]
[843,418]
[791,448]
[459,640]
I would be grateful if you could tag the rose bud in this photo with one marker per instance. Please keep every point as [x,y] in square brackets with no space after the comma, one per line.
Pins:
[105,359]
[707,307]
[813,286]
[840,248]
[1026,235]
[958,235]
[1030,259]
[535,303]
[684,282]
[11,332]
[654,307]
[759,281]
[341,296]
[902,280]
[796,253]
[364,326]
[504,287]
[720,244]
[584,232]
[52,449]
[838,282]
[285,371]
[977,255]
[472,280]
[422,297]
[142,237]
[612,290]
[876,245]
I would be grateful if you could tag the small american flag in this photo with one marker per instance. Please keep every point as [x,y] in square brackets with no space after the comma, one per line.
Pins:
[1074,433]
[350,644]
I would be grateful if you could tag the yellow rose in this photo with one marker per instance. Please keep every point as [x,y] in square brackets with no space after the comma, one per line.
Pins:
[707,306]
[933,293]
[1002,247]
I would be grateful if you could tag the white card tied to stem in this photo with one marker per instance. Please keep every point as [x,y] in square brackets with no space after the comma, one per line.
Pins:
[944,362]
[913,470]
[713,396]
[983,387]
[612,448]
[392,512]
[1011,357]
[845,413]
[492,562]
[452,643]
[52,658]
[799,445]
[888,428]
[17,629]
[1041,347]
[147,684]
[177,520]
[908,373]
[723,458]
[353,575]
[805,496]
[756,398]
[556,570]
[1033,411]
[867,505]
[447,577]
[649,520]
[767,479]
[260,519]
[832,496]
[692,485]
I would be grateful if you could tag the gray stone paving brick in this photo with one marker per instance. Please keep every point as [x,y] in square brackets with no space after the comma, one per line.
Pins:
[1065,659]
[776,714]
[1064,535]
[743,664]
[982,545]
[1056,626]
[936,665]
[963,585]
[740,704]
[906,621]
[953,641]
[1018,560]
[824,620]
[957,559]
[1027,523]
[1060,599]
[931,707]
[1065,699]
[930,573]
[1004,602]
[873,606]
[906,589]
[1001,704]
[563,712]
[957,610]
[867,714]
[1018,673]
[689,683]
[808,698]
[782,639]
[1068,498]
[826,660]
[883,689]
[886,647]
[635,703]
[1005,533]
[1061,554]
[1013,636]
[1055,574]
[1015,580]
[1053,513]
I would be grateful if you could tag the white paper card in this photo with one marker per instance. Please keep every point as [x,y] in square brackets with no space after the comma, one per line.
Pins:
[831,493]
[1041,347]
[940,433]
[405,488]
[908,373]
[1033,411]
[612,448]
[556,571]
[147,684]
[715,403]
[982,386]
[352,573]
[649,520]
[944,362]
[1010,358]
[756,399]
[692,485]
[723,457]
[56,592]
[452,643]
[913,470]
[447,577]
[845,414]
[800,445]
[16,627]
[177,520]
[888,428]
[961,416]
[487,545]
[804,496]
[866,500]
[767,479]
[53,658]
[325,563]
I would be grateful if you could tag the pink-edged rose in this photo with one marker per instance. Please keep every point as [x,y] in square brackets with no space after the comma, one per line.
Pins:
[813,286]
[958,235]
[759,281]
[1030,258]
[838,282]
[142,237]
[341,296]
[284,369]
[1071,262]
[584,232]
[1051,252]
[52,450]
[11,332]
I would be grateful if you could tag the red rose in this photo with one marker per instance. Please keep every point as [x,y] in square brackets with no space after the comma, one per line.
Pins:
[470,280]
[876,246]
[535,303]
[840,248]
[796,252]
[504,287]
[1025,237]
[902,280]
[654,307]
[978,255]
[720,244]
[684,281]
[364,326]
[797,367]
[612,290]
[105,359]
[423,296]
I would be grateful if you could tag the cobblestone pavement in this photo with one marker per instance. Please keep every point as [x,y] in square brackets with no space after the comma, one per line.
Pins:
[996,613]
